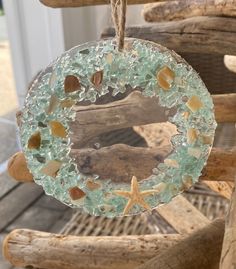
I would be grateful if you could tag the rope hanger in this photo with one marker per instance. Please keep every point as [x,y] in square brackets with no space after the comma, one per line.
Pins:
[118,10]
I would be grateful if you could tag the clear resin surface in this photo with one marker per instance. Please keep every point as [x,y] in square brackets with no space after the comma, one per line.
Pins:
[144,84]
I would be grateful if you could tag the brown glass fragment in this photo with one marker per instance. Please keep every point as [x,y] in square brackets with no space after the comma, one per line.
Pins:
[57,129]
[71,84]
[97,78]
[165,77]
[76,193]
[35,141]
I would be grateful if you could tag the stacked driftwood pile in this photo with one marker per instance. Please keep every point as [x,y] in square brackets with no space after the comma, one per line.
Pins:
[186,26]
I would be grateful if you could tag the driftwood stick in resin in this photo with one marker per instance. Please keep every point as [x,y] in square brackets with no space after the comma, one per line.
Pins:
[119,162]
[200,249]
[135,109]
[182,9]
[228,254]
[82,3]
[221,165]
[214,35]
[45,250]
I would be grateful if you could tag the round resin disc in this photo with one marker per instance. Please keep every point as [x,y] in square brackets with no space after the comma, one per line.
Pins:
[81,123]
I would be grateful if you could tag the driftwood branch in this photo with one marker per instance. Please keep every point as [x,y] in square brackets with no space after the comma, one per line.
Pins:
[82,3]
[199,250]
[44,250]
[197,34]
[230,62]
[222,187]
[182,9]
[228,254]
[124,161]
[221,165]
[182,215]
[225,107]
[135,109]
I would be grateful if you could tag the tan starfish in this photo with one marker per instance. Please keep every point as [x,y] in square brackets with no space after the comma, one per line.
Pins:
[135,196]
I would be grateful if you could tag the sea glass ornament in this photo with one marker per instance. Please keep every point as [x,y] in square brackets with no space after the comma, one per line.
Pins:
[71,153]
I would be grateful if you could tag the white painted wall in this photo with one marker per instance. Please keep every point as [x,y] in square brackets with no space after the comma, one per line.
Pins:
[39,34]
[36,38]
[86,23]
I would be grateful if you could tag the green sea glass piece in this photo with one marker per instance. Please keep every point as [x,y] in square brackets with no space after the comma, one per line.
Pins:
[97,74]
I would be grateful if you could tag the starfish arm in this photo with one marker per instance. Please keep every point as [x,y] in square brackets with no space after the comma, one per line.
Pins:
[134,185]
[142,203]
[125,194]
[128,207]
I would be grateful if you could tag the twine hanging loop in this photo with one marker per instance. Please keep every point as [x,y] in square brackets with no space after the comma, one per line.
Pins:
[118,10]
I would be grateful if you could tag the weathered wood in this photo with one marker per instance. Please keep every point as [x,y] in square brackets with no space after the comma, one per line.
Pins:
[223,188]
[230,62]
[182,9]
[182,215]
[221,165]
[82,3]
[199,250]
[225,107]
[228,254]
[3,263]
[44,250]
[10,207]
[135,109]
[41,215]
[198,34]
[124,161]
[6,184]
